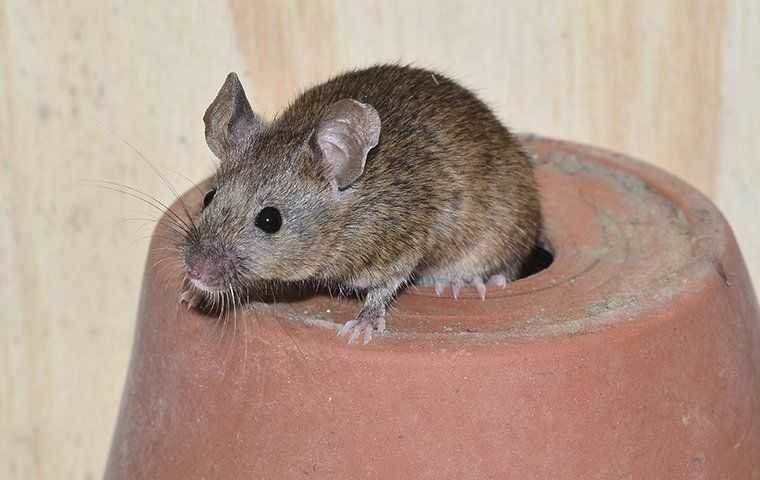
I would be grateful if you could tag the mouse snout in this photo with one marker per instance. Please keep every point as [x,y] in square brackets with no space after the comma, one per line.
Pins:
[204,272]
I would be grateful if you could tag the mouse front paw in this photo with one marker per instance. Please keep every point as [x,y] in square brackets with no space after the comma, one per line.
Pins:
[365,324]
[190,295]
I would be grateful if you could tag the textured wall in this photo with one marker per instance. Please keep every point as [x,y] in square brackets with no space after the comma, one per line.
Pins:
[672,82]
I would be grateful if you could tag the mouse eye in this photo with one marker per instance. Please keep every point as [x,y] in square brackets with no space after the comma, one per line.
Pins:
[269,220]
[208,197]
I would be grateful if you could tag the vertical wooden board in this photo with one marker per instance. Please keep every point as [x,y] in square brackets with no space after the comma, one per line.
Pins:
[12,329]
[626,75]
[288,46]
[630,76]
[738,192]
[21,400]
[673,119]
[82,80]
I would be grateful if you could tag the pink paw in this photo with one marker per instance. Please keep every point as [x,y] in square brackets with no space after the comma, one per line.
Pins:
[190,295]
[363,325]
[474,282]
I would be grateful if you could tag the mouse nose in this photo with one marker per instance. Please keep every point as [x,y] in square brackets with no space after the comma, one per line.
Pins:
[205,271]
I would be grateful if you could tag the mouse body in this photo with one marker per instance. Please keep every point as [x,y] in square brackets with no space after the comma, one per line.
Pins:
[373,180]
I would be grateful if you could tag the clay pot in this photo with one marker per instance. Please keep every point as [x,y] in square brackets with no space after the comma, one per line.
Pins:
[635,354]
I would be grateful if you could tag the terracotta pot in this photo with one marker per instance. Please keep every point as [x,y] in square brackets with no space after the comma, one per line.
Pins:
[634,355]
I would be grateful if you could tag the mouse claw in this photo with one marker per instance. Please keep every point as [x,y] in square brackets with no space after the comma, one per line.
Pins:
[191,296]
[498,280]
[346,328]
[480,287]
[358,330]
[440,287]
[362,326]
[456,286]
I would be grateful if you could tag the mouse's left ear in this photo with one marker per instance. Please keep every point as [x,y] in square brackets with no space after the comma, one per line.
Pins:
[229,119]
[347,131]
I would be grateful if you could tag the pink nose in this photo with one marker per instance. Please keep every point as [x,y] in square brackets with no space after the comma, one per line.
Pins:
[205,271]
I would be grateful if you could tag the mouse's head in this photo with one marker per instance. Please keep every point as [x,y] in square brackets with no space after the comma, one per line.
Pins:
[276,199]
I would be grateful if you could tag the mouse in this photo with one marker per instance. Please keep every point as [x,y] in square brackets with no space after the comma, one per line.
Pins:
[377,179]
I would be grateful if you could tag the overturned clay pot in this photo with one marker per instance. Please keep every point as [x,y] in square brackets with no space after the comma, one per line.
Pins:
[635,354]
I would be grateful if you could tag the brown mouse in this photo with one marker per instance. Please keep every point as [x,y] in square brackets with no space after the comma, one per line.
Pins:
[376,179]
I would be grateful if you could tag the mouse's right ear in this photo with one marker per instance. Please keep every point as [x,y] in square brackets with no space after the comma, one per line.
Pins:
[347,131]
[229,119]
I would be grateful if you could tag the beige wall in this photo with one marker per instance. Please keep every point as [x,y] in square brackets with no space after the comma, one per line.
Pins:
[674,83]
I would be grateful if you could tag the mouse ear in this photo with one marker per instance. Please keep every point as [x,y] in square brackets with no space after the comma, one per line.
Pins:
[347,131]
[229,119]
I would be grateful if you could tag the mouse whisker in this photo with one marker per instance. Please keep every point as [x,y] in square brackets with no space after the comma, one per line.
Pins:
[235,317]
[193,184]
[160,175]
[176,229]
[149,221]
[167,279]
[220,298]
[147,199]
[226,319]
[161,249]
[161,237]
[245,337]
[171,215]
[162,260]
[148,237]
[219,327]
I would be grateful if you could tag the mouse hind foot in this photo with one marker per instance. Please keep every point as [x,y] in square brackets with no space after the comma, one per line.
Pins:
[480,283]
